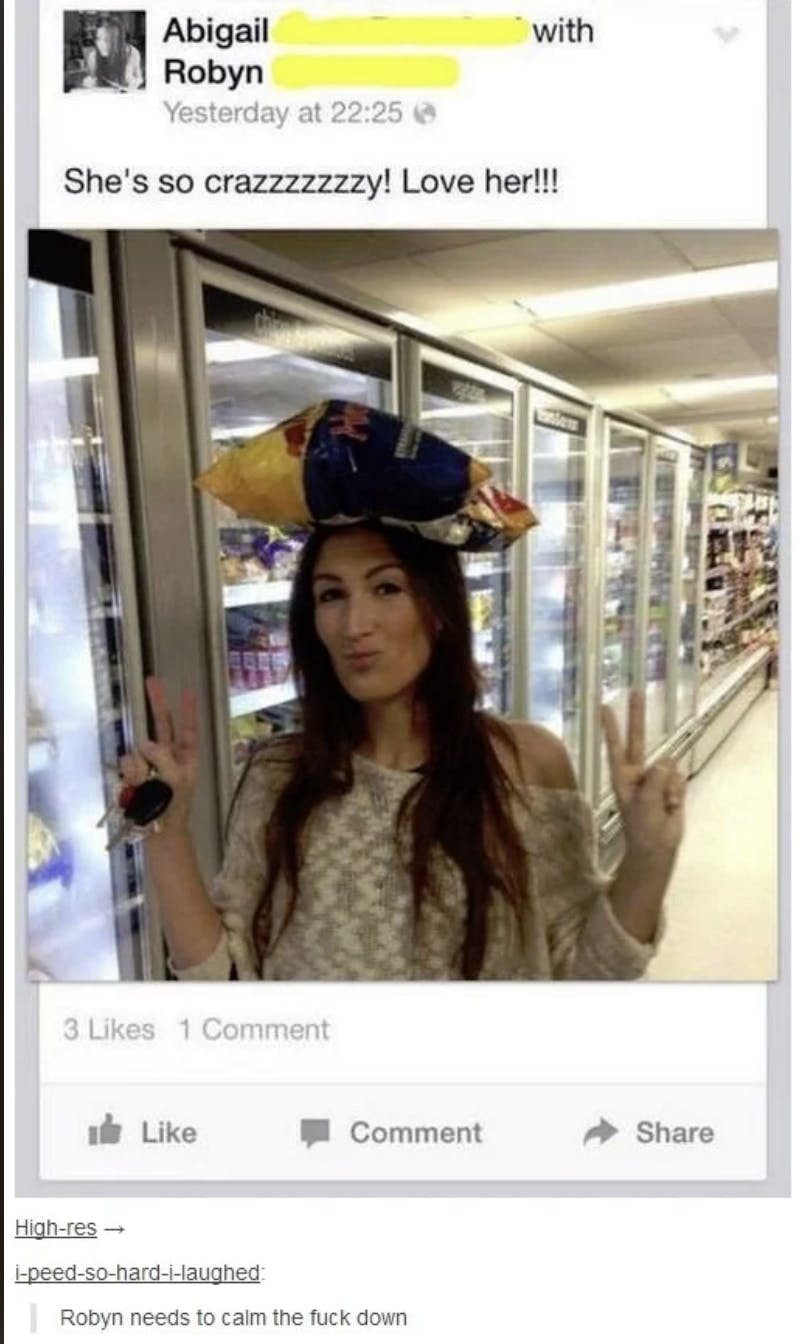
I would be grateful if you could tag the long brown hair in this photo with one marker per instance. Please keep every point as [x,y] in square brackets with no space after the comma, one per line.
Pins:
[114,65]
[462,801]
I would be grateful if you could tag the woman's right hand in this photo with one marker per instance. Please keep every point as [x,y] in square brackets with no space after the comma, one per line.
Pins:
[174,753]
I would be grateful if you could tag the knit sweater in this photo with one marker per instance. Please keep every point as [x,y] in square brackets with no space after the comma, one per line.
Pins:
[354,917]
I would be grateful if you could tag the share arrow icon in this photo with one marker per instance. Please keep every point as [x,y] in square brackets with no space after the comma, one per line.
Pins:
[602,1132]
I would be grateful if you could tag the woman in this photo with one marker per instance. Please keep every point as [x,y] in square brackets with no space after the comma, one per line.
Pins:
[404,834]
[113,62]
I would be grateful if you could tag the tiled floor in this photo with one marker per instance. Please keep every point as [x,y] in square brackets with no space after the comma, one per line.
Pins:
[722,904]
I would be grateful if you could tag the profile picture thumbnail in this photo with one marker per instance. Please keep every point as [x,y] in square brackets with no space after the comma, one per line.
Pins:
[104,50]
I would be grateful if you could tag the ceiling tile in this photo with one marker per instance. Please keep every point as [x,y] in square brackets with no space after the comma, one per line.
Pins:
[648,324]
[404,285]
[765,345]
[722,247]
[543,263]
[728,356]
[473,318]
[541,351]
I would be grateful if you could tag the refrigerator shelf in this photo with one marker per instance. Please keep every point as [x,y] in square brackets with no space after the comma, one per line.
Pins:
[52,517]
[264,697]
[256,594]
[717,682]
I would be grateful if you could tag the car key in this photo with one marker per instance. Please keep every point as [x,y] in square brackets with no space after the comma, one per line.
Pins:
[125,796]
[148,802]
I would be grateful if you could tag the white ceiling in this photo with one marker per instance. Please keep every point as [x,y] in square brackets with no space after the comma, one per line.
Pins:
[466,283]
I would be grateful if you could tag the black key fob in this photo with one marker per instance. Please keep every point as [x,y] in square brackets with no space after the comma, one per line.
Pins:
[149,802]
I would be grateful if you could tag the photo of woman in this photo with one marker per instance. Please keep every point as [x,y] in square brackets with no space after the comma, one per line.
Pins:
[414,644]
[105,51]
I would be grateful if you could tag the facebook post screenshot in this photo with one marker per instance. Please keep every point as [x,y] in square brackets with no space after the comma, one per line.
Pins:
[398,563]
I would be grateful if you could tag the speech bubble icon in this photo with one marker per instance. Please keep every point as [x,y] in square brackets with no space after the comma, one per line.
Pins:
[315,1131]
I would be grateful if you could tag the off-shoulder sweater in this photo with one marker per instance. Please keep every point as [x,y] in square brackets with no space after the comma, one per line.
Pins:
[354,918]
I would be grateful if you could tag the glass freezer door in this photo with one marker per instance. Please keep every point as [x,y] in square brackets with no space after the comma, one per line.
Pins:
[659,654]
[262,364]
[688,652]
[478,417]
[85,904]
[620,637]
[558,474]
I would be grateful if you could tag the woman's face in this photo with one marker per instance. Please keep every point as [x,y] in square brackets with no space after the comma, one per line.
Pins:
[104,41]
[368,618]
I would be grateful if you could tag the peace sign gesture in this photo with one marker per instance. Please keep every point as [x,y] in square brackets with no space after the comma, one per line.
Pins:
[174,753]
[650,800]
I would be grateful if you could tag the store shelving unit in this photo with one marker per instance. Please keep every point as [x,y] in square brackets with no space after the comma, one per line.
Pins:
[740,598]
[739,611]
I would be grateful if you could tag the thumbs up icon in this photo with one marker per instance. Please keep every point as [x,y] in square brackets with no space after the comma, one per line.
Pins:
[108,1132]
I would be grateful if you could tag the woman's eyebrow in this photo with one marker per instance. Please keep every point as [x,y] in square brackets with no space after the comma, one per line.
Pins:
[335,578]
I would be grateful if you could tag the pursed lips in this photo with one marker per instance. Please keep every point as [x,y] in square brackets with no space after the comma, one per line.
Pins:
[361,656]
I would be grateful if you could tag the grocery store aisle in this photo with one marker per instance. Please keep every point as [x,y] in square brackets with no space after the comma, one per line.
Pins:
[721,922]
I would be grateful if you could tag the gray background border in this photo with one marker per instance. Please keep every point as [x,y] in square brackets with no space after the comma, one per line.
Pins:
[778,994]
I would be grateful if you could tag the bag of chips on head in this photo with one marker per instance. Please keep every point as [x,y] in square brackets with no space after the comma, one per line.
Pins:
[340,462]
[489,520]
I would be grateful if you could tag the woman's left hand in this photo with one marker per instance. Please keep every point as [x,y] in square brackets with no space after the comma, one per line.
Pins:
[651,800]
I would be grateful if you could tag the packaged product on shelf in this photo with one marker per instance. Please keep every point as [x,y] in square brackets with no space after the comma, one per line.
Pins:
[265,676]
[250,669]
[47,859]
[231,563]
[482,609]
[277,553]
[235,668]
[280,656]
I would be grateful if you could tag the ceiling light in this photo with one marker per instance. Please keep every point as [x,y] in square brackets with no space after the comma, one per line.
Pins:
[703,389]
[686,287]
